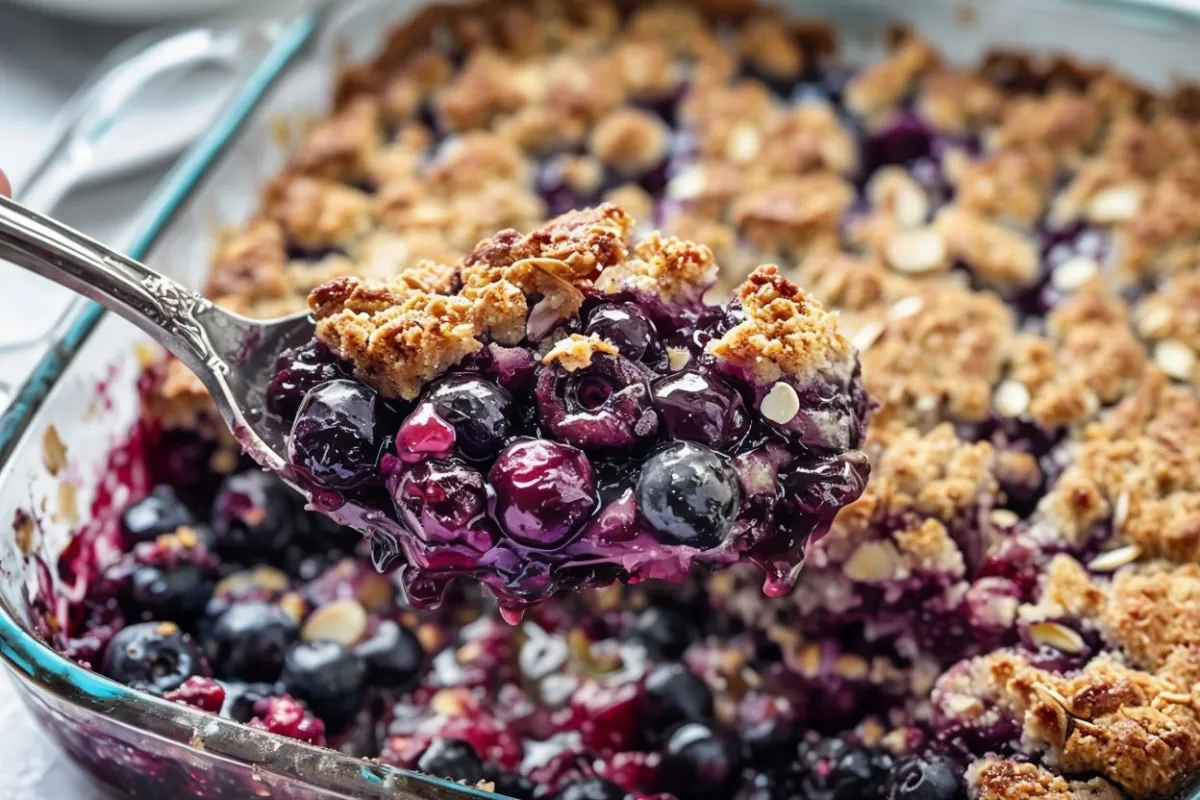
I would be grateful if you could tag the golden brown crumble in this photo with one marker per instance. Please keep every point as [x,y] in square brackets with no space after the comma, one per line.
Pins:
[785,332]
[1010,186]
[629,139]
[648,68]
[1065,122]
[807,138]
[844,281]
[765,43]
[343,145]
[674,270]
[318,213]
[877,89]
[997,779]
[249,265]
[957,101]
[941,357]
[790,215]
[1170,318]
[634,199]
[995,254]
[575,351]
[475,160]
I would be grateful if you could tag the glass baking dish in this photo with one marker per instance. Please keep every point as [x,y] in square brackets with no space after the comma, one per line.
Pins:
[83,393]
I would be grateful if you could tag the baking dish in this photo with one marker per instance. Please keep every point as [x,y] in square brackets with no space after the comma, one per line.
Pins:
[85,390]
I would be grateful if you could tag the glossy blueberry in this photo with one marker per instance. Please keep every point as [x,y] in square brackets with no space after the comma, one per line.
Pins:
[255,515]
[701,760]
[452,759]
[248,641]
[443,502]
[335,441]
[155,514]
[515,785]
[594,788]
[673,694]
[625,326]
[152,656]
[665,632]
[299,371]
[480,412]
[929,777]
[544,491]
[699,408]
[179,593]
[329,677]
[835,769]
[606,405]
[689,495]
[393,656]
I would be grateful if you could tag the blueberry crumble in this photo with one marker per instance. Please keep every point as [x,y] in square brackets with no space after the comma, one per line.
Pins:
[1007,609]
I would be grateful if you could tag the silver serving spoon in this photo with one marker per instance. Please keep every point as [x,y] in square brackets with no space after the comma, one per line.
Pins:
[233,356]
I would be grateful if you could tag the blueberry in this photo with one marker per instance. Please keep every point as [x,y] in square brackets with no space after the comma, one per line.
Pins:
[834,769]
[178,594]
[606,405]
[329,677]
[625,326]
[514,785]
[699,408]
[664,632]
[248,641]
[452,759]
[689,495]
[928,777]
[255,515]
[155,514]
[152,656]
[393,656]
[701,760]
[298,371]
[674,694]
[335,440]
[544,491]
[480,412]
[240,698]
[592,789]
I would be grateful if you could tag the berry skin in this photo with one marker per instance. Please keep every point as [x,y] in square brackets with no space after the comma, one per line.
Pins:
[480,412]
[544,491]
[334,441]
[155,514]
[153,657]
[248,641]
[452,759]
[701,760]
[394,656]
[443,502]
[839,770]
[329,677]
[514,785]
[300,370]
[689,495]
[700,408]
[625,326]
[592,789]
[663,631]
[928,777]
[288,717]
[178,594]
[674,694]
[255,515]
[198,692]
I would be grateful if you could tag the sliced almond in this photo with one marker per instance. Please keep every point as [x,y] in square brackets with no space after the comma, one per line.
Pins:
[1121,511]
[892,189]
[678,358]
[964,704]
[688,184]
[1004,518]
[1073,273]
[916,252]
[1175,358]
[781,404]
[744,144]
[1115,204]
[906,307]
[1056,635]
[850,666]
[1011,398]
[1113,560]
[342,621]
[1156,322]
[266,578]
[867,335]
[810,659]
[872,562]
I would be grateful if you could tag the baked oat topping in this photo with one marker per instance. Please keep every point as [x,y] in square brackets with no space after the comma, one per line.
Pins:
[575,352]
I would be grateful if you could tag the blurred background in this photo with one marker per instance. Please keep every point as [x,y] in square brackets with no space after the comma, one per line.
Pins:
[97,100]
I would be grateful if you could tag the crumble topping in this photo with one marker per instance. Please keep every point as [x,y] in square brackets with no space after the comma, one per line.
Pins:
[249,266]
[790,215]
[940,356]
[785,332]
[630,140]
[1065,122]
[807,138]
[1170,319]
[959,100]
[343,145]
[766,44]
[995,254]
[575,352]
[877,89]
[675,270]
[1010,186]
[318,213]
[997,779]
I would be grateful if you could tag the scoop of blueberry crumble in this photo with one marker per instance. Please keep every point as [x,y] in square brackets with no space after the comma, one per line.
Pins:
[1009,609]
[563,410]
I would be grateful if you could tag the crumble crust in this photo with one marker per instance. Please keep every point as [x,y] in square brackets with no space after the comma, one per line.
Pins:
[959,100]
[575,352]
[997,255]
[1010,186]
[630,140]
[766,43]
[877,89]
[785,332]
[318,213]
[1066,122]
[674,270]
[997,779]
[792,214]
